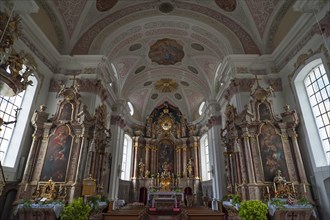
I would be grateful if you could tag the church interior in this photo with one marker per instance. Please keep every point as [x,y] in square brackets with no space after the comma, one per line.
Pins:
[170,108]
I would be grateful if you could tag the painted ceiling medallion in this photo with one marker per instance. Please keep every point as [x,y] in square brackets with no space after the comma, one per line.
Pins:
[148,83]
[135,47]
[166,85]
[227,5]
[184,83]
[166,52]
[178,96]
[154,96]
[140,69]
[193,69]
[166,7]
[105,5]
[197,47]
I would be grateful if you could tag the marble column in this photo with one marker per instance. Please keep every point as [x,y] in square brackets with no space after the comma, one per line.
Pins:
[301,171]
[147,157]
[135,159]
[196,161]
[184,159]
[179,169]
[248,156]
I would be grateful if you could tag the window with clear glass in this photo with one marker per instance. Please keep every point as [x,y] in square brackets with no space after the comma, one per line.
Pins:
[126,160]
[205,158]
[318,91]
[9,109]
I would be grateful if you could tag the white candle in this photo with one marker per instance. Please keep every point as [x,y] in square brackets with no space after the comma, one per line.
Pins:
[275,187]
[25,187]
[304,187]
[267,189]
[293,188]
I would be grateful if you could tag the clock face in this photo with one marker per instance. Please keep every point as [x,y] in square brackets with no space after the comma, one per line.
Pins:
[166,124]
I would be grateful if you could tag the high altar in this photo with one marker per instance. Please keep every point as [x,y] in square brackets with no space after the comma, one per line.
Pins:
[165,158]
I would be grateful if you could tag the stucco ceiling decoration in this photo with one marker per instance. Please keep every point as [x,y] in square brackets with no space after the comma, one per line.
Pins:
[166,52]
[166,85]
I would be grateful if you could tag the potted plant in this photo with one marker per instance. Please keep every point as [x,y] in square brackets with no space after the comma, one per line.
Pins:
[77,210]
[253,209]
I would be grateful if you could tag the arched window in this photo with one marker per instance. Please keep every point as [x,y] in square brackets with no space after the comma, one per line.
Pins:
[205,158]
[131,109]
[9,146]
[127,158]
[313,91]
[201,108]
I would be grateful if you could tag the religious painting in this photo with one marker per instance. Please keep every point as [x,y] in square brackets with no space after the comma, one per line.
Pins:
[66,112]
[264,112]
[165,156]
[166,52]
[57,155]
[272,153]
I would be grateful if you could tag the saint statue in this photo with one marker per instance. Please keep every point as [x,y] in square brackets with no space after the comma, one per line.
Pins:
[190,168]
[141,168]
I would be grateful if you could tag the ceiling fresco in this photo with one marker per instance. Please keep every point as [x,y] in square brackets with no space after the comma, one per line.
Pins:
[165,49]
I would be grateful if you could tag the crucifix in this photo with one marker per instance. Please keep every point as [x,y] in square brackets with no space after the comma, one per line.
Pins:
[257,80]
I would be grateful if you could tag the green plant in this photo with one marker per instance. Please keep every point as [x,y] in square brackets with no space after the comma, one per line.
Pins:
[76,210]
[253,209]
[236,199]
[303,201]
[26,203]
[278,203]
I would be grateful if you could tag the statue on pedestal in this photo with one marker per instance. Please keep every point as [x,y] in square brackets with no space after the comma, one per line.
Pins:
[141,168]
[190,168]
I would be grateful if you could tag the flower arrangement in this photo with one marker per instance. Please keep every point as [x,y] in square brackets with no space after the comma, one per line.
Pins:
[253,209]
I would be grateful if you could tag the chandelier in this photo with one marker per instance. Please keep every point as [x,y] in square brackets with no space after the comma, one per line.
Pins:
[15,68]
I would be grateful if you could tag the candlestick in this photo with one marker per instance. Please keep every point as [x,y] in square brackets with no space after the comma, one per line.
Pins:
[267,189]
[293,188]
[275,187]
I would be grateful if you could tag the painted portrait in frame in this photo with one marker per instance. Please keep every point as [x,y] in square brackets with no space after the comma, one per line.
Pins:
[57,155]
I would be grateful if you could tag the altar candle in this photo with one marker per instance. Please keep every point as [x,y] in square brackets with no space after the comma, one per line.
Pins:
[304,187]
[293,188]
[275,187]
[25,187]
[60,187]
[38,185]
[267,189]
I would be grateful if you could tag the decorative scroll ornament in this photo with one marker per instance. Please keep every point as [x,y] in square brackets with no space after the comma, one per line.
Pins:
[15,68]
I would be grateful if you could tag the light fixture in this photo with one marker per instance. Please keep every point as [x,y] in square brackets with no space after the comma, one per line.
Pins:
[15,68]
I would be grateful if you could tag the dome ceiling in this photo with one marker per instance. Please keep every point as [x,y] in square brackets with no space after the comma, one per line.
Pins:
[165,50]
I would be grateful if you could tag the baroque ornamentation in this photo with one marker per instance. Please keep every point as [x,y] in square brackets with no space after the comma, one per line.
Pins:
[166,85]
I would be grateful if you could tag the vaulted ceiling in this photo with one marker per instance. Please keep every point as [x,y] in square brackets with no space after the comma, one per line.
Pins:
[165,49]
